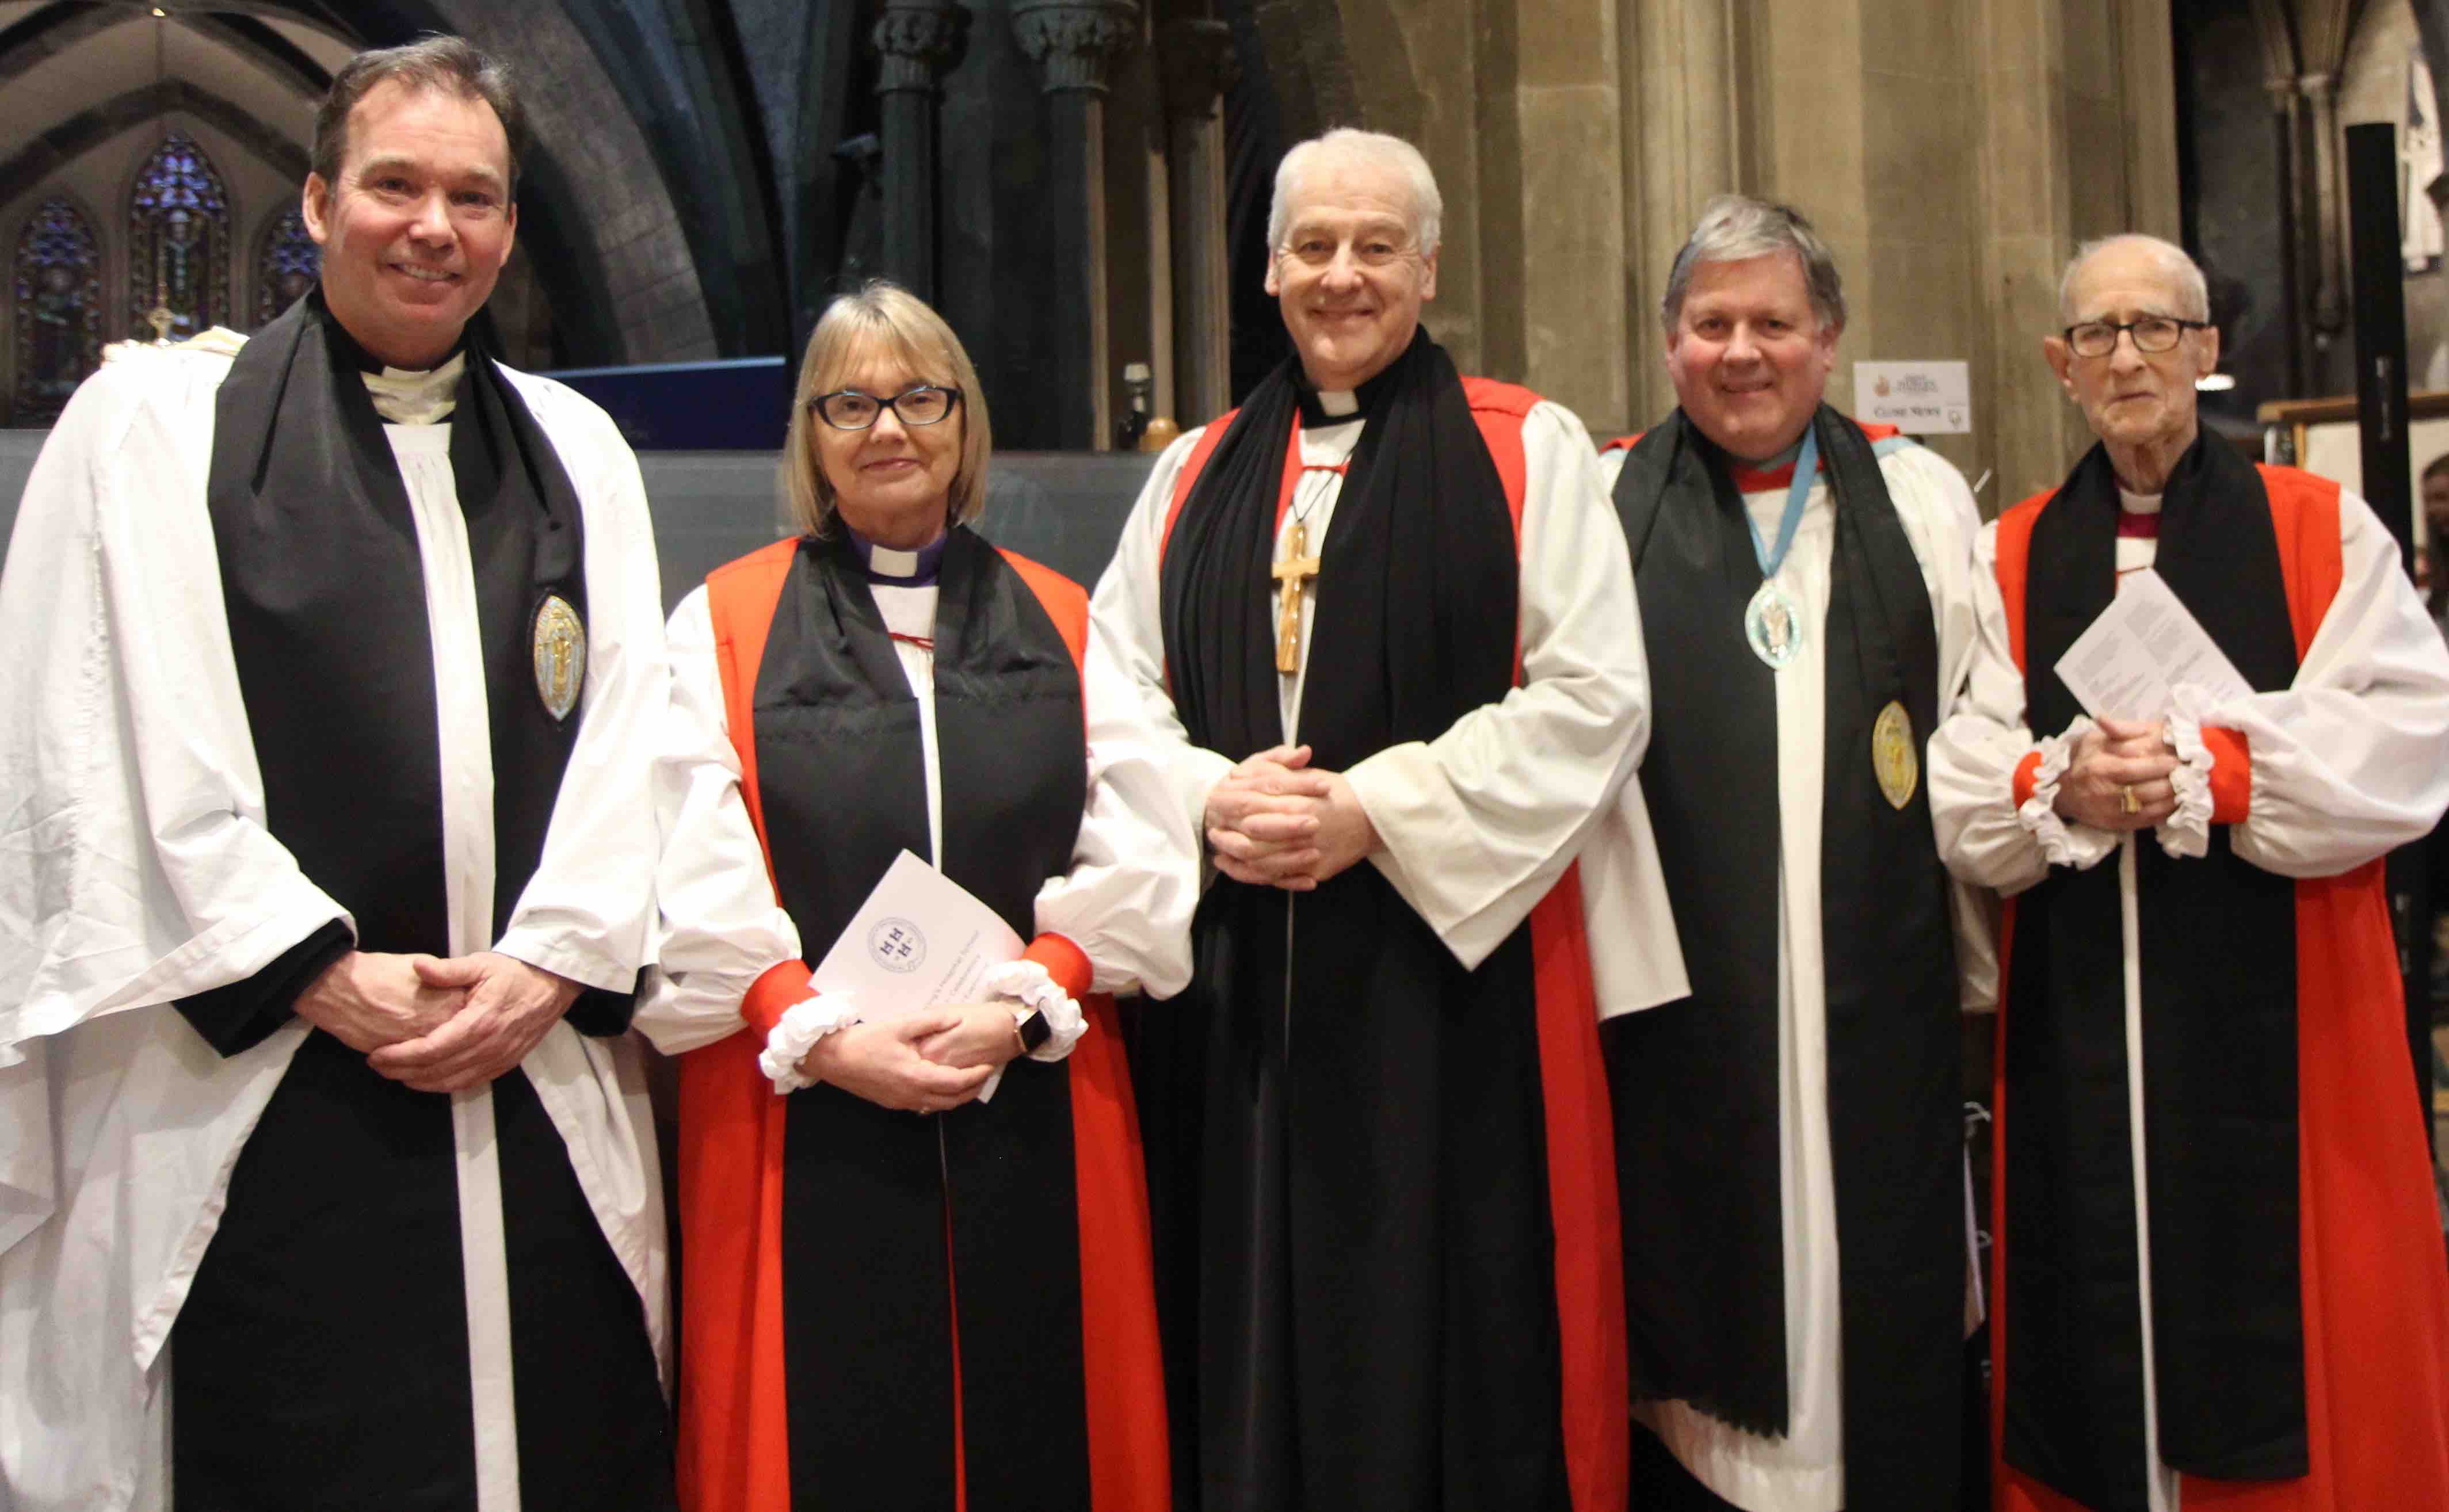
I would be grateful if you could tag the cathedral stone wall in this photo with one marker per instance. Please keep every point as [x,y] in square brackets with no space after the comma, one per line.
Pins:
[1953,153]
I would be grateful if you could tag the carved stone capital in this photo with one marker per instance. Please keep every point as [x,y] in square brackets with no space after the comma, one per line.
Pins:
[916,41]
[1198,64]
[1073,40]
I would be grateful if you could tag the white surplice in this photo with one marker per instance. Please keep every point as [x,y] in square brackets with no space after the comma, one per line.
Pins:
[2345,766]
[1476,825]
[1126,901]
[1805,1471]
[136,870]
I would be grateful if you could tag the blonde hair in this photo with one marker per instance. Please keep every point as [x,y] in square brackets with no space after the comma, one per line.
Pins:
[882,317]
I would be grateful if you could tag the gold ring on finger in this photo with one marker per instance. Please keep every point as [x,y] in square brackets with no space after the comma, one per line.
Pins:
[2127,801]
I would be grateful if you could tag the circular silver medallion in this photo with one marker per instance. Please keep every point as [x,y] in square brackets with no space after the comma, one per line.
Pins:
[1773,625]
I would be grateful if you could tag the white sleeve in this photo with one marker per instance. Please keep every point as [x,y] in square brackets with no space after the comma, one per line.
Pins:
[1127,616]
[718,928]
[1983,837]
[2352,761]
[135,867]
[1478,823]
[1134,879]
[584,914]
[1940,517]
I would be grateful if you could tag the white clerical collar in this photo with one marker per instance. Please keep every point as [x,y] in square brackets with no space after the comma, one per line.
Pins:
[1339,403]
[886,563]
[406,398]
[2138,502]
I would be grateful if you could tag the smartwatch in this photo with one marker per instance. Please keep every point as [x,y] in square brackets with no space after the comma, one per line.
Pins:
[1034,1031]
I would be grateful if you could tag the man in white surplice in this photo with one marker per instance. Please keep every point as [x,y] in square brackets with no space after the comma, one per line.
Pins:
[2220,1270]
[323,884]
[1788,1127]
[1411,574]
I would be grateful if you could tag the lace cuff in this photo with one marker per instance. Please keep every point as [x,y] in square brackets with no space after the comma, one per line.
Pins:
[2063,844]
[1029,981]
[2187,832]
[802,1025]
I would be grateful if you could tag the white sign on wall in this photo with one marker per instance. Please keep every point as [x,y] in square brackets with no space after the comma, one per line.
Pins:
[1919,399]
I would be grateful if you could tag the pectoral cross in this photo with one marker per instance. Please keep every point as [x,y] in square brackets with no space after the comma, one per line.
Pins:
[1293,569]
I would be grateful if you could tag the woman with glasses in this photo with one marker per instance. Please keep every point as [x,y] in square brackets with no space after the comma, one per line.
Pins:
[916,1270]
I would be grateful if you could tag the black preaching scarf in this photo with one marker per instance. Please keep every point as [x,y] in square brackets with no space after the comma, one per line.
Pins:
[870,1193]
[2218,940]
[337,667]
[334,1199]
[1372,1239]
[1697,1099]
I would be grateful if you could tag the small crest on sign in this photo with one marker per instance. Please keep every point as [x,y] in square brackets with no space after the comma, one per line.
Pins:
[560,651]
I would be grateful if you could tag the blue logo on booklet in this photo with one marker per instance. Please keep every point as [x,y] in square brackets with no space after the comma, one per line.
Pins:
[897,944]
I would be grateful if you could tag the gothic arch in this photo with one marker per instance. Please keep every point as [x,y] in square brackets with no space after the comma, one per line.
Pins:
[55,282]
[179,243]
[284,265]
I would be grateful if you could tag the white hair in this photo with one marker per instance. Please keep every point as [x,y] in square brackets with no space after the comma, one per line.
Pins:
[1376,147]
[2194,293]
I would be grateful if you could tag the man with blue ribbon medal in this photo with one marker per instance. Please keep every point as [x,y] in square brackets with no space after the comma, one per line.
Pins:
[1805,585]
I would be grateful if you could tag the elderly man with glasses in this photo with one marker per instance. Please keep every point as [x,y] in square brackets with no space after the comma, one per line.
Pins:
[2220,1274]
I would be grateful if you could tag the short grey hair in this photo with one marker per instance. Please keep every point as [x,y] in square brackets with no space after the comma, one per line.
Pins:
[1736,227]
[2193,290]
[452,64]
[1428,206]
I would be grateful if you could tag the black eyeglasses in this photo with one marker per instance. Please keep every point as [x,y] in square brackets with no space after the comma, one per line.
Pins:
[2153,335]
[849,410]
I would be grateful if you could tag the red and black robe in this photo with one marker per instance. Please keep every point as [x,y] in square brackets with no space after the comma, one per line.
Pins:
[1384,1185]
[968,1320]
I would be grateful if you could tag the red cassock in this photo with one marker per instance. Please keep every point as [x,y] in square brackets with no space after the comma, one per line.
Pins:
[2375,1279]
[734,1428]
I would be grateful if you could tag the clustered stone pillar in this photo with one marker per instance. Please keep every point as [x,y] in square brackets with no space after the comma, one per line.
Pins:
[1198,64]
[1073,42]
[916,41]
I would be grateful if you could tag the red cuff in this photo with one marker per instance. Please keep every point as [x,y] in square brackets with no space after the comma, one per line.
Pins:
[1065,962]
[2231,774]
[783,987]
[2025,771]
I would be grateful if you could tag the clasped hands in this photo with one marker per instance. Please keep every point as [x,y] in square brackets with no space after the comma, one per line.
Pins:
[2119,755]
[928,1063]
[434,1024]
[1276,821]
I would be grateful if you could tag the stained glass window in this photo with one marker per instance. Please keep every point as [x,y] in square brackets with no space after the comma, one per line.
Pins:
[57,280]
[178,234]
[286,264]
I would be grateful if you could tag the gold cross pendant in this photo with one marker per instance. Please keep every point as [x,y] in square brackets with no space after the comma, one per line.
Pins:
[1293,569]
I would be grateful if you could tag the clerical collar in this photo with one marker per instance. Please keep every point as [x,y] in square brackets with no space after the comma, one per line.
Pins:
[2137,502]
[1774,472]
[896,568]
[1329,407]
[404,396]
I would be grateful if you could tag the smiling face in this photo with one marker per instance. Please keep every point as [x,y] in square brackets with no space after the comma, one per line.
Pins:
[417,228]
[892,482]
[1748,356]
[1350,275]
[2133,399]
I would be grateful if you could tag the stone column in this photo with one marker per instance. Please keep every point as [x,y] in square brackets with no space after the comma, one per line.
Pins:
[2331,213]
[2287,113]
[1680,146]
[915,40]
[1072,42]
[1198,64]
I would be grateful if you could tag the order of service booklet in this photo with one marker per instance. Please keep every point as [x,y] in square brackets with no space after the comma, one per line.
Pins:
[921,939]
